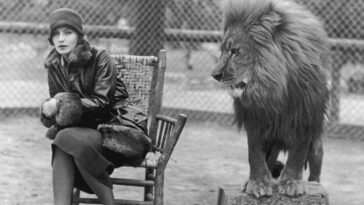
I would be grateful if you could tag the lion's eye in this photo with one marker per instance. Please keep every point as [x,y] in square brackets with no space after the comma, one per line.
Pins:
[234,51]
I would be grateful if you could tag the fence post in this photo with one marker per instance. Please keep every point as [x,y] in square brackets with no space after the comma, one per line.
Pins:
[149,23]
[335,94]
[336,62]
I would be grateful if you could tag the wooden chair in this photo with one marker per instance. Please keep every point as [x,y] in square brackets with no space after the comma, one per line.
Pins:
[144,78]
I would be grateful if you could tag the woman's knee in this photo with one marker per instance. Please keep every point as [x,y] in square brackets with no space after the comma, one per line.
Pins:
[78,136]
[70,134]
[66,136]
[66,132]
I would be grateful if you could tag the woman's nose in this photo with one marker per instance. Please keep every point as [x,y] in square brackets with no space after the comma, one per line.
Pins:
[61,37]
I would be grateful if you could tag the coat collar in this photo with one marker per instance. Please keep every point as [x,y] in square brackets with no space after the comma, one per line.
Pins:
[80,55]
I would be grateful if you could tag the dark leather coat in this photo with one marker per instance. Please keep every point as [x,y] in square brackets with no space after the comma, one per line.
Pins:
[90,73]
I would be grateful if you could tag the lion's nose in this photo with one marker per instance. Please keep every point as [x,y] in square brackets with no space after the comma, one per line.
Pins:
[217,76]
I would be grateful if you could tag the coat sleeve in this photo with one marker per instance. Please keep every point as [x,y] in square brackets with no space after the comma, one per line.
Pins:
[48,121]
[104,84]
[121,93]
[51,87]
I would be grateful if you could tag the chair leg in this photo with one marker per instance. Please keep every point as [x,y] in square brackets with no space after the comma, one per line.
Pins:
[75,196]
[148,191]
[221,197]
[159,186]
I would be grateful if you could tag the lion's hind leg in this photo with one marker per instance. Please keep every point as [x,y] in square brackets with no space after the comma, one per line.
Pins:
[290,182]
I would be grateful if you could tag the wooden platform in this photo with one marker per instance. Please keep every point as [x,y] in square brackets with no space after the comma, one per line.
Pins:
[232,195]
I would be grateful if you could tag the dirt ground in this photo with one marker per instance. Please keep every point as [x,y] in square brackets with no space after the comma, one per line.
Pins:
[206,157]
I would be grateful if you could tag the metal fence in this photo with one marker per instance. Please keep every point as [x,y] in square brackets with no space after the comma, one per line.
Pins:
[190,30]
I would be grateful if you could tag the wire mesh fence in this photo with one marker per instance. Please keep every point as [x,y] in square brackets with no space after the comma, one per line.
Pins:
[190,30]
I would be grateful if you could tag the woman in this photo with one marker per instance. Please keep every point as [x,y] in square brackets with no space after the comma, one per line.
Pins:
[79,159]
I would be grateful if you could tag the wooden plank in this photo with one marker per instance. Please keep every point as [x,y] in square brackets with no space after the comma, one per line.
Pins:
[117,202]
[132,182]
[232,195]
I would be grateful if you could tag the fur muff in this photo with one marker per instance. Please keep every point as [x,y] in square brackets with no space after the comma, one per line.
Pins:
[272,63]
[128,135]
[69,113]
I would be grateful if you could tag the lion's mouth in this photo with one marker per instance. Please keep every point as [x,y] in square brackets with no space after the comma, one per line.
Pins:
[235,85]
[241,85]
[235,89]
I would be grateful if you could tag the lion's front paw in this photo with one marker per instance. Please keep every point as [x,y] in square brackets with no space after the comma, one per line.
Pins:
[258,188]
[291,187]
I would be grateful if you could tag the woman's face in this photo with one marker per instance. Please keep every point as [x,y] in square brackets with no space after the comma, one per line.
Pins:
[64,40]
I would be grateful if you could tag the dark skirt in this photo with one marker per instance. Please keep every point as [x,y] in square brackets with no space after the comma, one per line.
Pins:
[84,144]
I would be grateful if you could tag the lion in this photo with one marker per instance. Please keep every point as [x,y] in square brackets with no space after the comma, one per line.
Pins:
[273,59]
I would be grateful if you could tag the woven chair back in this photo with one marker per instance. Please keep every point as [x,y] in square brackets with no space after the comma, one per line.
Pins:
[144,78]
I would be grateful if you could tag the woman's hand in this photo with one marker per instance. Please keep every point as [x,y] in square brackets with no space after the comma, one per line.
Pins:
[50,107]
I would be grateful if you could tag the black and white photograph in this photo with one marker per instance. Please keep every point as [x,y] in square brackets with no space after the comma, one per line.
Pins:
[181,102]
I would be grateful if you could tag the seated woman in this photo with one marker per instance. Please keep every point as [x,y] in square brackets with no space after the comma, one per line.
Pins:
[79,158]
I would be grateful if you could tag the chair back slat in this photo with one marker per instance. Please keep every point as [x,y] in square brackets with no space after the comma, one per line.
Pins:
[167,132]
[144,78]
[164,131]
[160,129]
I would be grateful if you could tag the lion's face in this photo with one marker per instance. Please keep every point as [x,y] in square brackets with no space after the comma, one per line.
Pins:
[235,65]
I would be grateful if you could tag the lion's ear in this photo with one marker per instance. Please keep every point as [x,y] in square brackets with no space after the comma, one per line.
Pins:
[271,21]
[267,27]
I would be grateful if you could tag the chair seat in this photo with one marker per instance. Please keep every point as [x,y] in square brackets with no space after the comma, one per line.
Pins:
[154,164]
[151,160]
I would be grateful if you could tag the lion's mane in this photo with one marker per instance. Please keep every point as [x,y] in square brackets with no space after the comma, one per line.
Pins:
[287,94]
